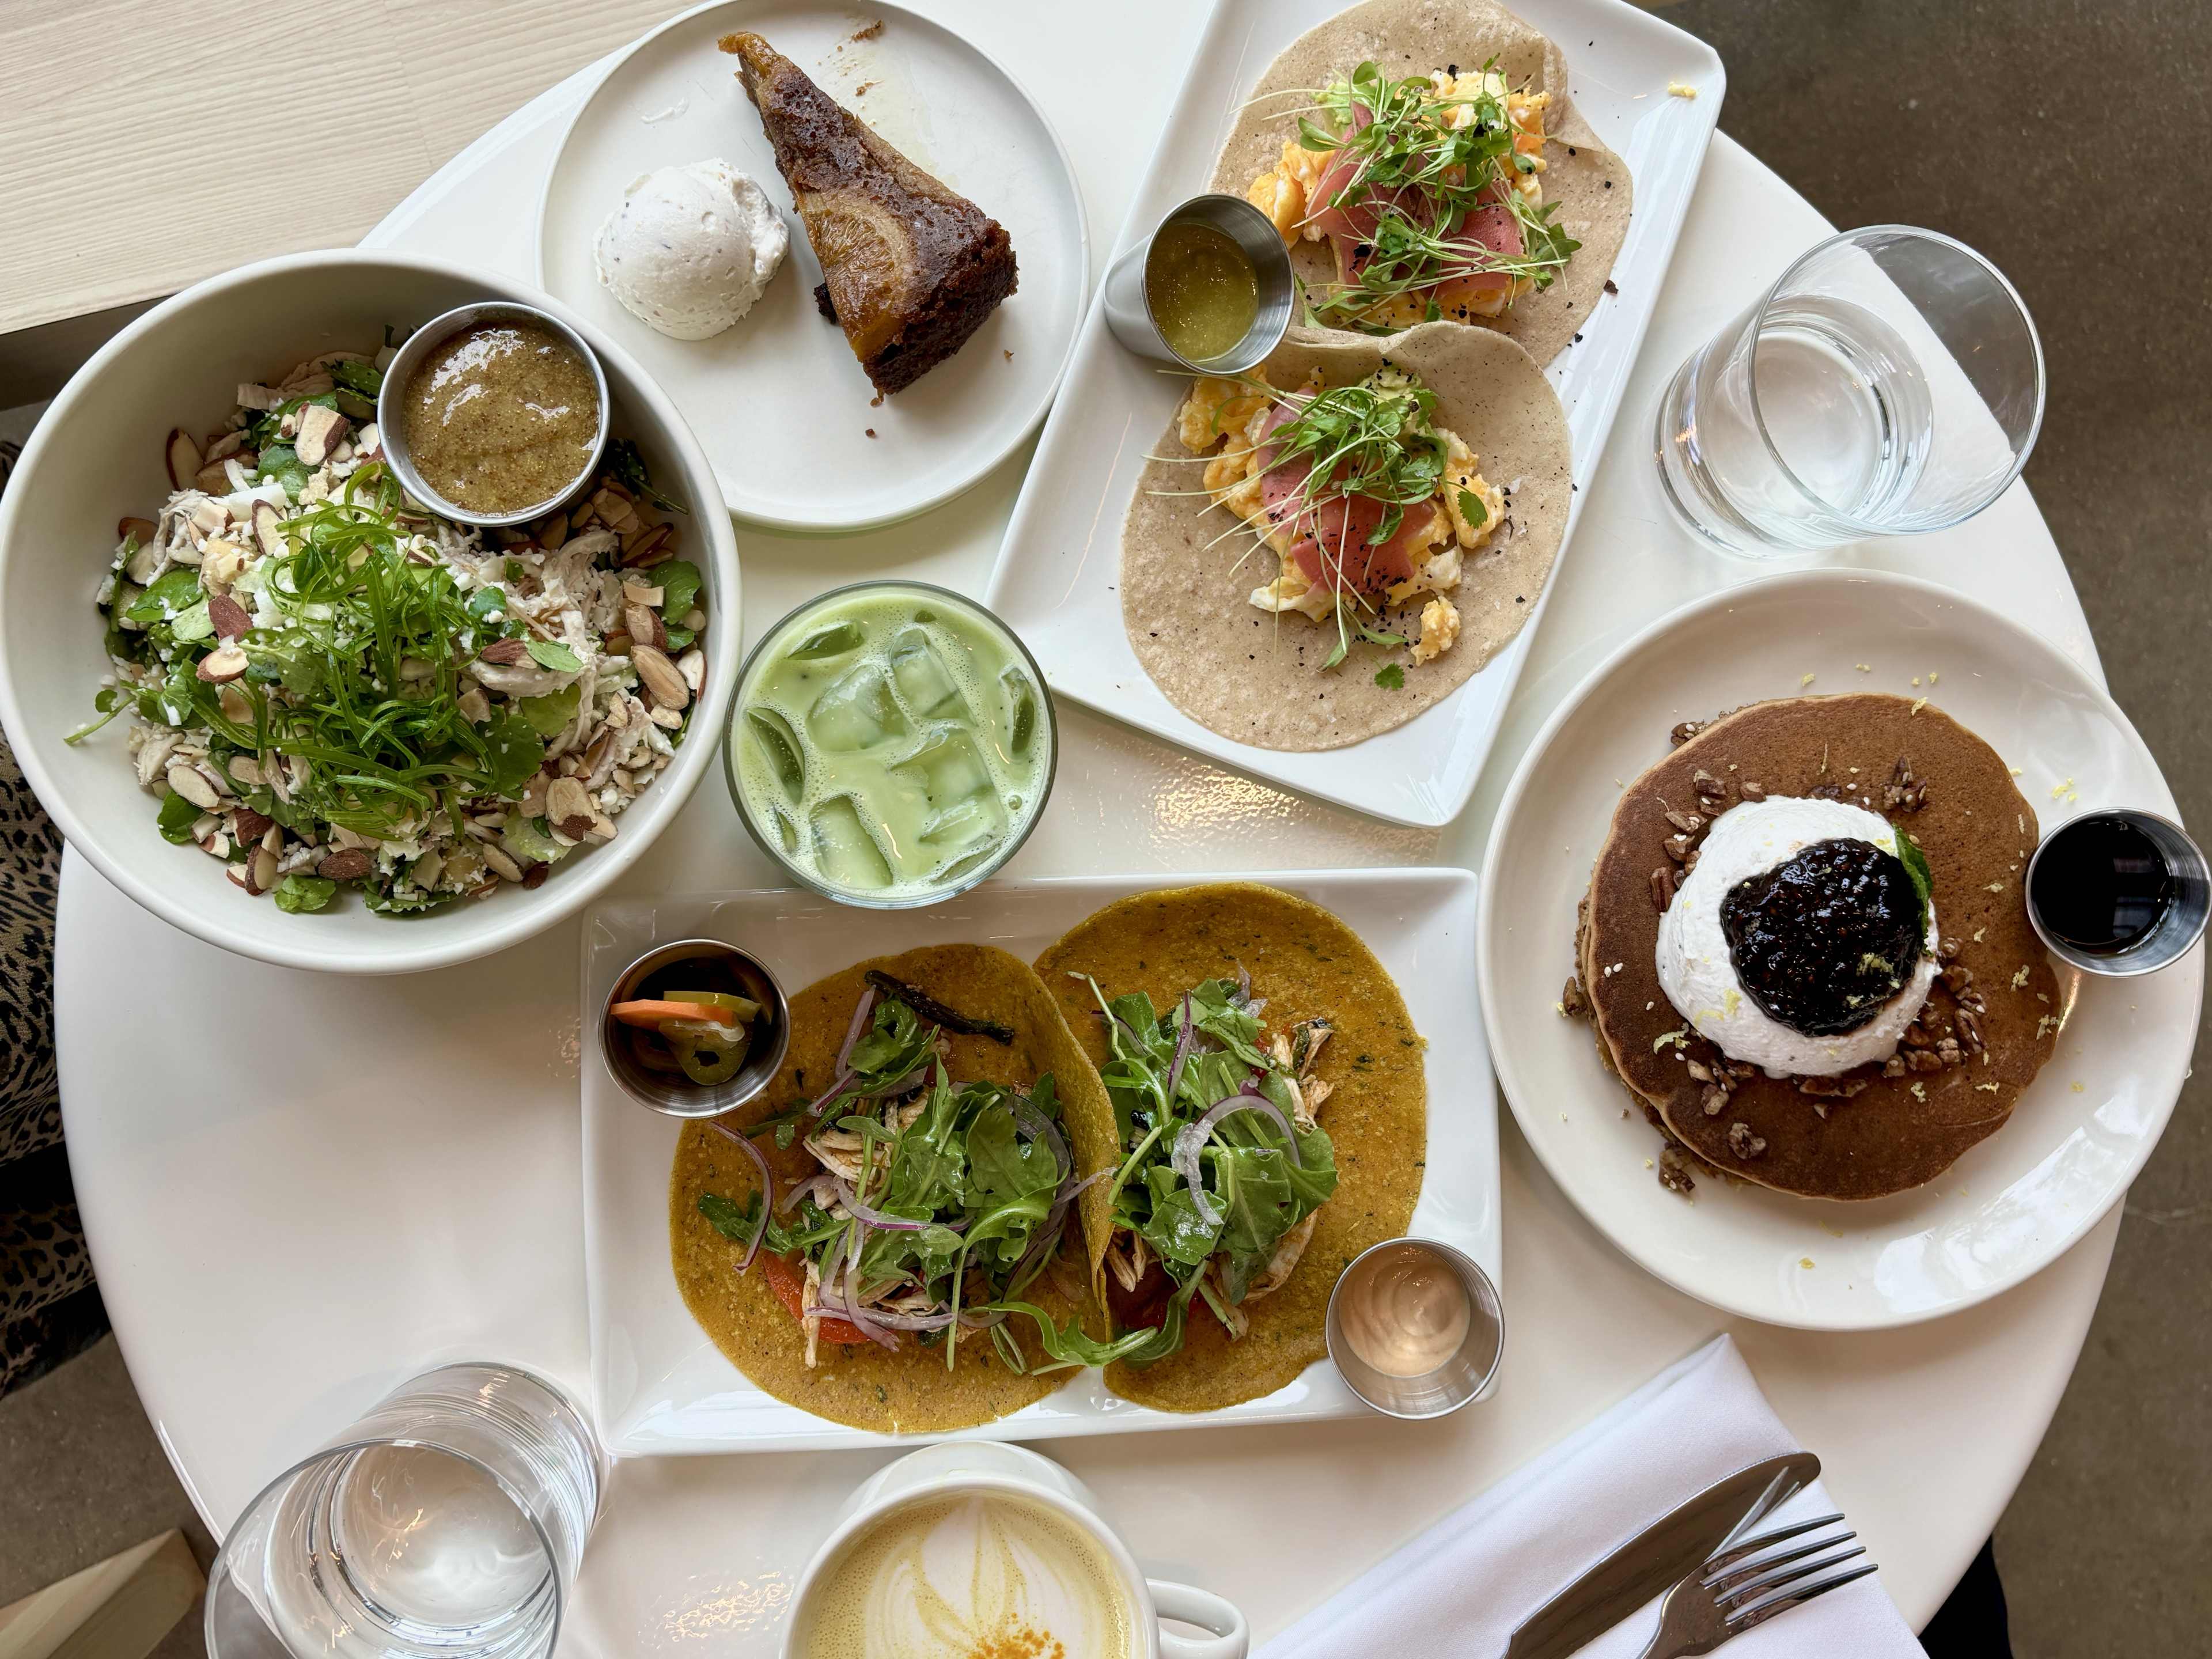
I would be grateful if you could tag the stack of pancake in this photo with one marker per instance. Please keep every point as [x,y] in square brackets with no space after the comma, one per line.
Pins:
[1990,1021]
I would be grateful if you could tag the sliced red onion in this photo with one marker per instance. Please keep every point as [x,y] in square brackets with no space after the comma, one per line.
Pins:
[833,1301]
[1243,982]
[1192,1140]
[1252,1093]
[1182,1048]
[1027,1116]
[859,1023]
[1256,1007]
[913,1322]
[1048,1235]
[768,1189]
[819,1186]
[814,1107]
[891,1224]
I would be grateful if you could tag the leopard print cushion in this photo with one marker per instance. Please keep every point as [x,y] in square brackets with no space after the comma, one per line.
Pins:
[48,1308]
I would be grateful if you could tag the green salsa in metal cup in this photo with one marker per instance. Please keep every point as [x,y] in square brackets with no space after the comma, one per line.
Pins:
[893,744]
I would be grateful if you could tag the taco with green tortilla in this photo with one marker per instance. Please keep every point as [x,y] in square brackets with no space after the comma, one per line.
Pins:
[1270,1121]
[876,1241]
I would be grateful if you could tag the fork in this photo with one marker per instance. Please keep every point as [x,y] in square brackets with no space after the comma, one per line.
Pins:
[1742,1584]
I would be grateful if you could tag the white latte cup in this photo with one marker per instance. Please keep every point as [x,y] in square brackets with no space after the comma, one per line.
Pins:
[980,1469]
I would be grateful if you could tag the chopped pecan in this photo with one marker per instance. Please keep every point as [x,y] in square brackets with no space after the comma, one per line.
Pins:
[1674,1169]
[1957,977]
[1744,1143]
[1571,1000]
[1662,887]
[1922,1060]
[1713,1099]
[1752,791]
[1686,731]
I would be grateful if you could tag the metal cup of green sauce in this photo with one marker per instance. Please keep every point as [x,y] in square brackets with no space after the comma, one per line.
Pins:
[493,414]
[1210,290]
[891,743]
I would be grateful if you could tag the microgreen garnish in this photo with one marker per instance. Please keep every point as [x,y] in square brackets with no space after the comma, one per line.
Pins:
[1425,162]
[1391,677]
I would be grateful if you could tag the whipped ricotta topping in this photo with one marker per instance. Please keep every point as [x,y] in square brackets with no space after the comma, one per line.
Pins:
[1699,976]
[689,249]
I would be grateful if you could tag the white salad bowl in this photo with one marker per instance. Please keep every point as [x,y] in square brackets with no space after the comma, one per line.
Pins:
[97,457]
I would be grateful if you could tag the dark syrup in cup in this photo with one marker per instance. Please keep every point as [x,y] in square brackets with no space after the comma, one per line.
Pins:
[2102,885]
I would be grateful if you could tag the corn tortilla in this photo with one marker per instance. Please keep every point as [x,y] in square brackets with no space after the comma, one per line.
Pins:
[1307,964]
[867,1387]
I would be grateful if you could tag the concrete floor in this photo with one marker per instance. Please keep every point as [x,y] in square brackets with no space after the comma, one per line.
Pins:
[2071,145]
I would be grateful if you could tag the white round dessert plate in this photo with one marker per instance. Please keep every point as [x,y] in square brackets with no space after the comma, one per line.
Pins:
[2080,1133]
[798,436]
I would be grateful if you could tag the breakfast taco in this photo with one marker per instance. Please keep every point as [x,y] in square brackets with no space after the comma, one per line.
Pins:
[1321,549]
[874,1242]
[1270,1118]
[1423,161]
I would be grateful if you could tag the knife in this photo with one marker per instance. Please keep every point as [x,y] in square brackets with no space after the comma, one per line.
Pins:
[1664,1552]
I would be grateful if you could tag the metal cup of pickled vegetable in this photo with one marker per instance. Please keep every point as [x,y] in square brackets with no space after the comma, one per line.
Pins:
[1210,290]
[893,744]
[695,1029]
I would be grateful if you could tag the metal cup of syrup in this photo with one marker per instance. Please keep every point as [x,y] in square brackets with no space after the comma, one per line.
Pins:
[1416,1328]
[1210,290]
[2118,892]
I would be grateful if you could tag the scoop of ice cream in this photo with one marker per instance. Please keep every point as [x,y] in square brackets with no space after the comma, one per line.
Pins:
[691,248]
[1699,973]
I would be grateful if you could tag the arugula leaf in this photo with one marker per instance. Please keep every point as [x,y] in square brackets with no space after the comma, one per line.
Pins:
[627,466]
[175,592]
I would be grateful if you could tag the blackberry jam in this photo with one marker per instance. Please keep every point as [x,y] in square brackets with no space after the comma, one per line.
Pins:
[1824,939]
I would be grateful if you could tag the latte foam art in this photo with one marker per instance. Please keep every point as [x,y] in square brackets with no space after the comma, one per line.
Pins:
[975,1576]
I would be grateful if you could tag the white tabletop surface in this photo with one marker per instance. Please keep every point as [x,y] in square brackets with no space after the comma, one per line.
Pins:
[301,1188]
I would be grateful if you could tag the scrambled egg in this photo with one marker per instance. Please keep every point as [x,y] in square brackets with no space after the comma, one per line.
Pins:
[1288,193]
[1232,414]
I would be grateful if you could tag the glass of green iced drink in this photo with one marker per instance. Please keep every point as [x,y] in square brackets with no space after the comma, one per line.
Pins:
[893,744]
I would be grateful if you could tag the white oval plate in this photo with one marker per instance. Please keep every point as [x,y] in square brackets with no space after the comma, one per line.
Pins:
[2013,1203]
[777,400]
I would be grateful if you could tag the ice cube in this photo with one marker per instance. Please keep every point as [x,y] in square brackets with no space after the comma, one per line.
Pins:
[845,852]
[956,786]
[779,745]
[786,831]
[925,684]
[856,711]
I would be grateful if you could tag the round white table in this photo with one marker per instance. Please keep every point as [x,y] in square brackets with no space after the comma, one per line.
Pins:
[301,1188]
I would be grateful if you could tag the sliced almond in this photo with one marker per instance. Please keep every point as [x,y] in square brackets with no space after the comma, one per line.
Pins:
[500,862]
[692,664]
[221,563]
[662,681]
[214,478]
[141,531]
[266,532]
[251,825]
[230,618]
[347,863]
[246,770]
[187,781]
[184,458]
[553,531]
[505,652]
[475,707]
[321,430]
[649,549]
[236,706]
[272,839]
[644,624]
[261,870]
[222,665]
[635,593]
[566,799]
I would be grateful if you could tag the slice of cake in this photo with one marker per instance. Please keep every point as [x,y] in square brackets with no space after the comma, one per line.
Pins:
[910,269]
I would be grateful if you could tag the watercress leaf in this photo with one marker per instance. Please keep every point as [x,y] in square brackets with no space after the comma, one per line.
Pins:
[174,591]
[627,465]
[679,581]
[551,654]
[367,378]
[300,894]
[282,463]
[176,818]
[551,714]
[488,603]
[514,751]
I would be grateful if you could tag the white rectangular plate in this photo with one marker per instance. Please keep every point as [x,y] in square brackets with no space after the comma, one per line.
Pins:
[1058,578]
[660,1387]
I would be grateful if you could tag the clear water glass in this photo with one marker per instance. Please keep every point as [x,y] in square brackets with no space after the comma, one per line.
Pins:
[448,1523]
[1889,384]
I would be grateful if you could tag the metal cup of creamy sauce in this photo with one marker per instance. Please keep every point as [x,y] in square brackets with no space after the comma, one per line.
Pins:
[1416,1328]
[892,744]
[1210,290]
[493,414]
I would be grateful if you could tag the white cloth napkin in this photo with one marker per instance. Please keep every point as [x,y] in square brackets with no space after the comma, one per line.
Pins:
[1458,1591]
